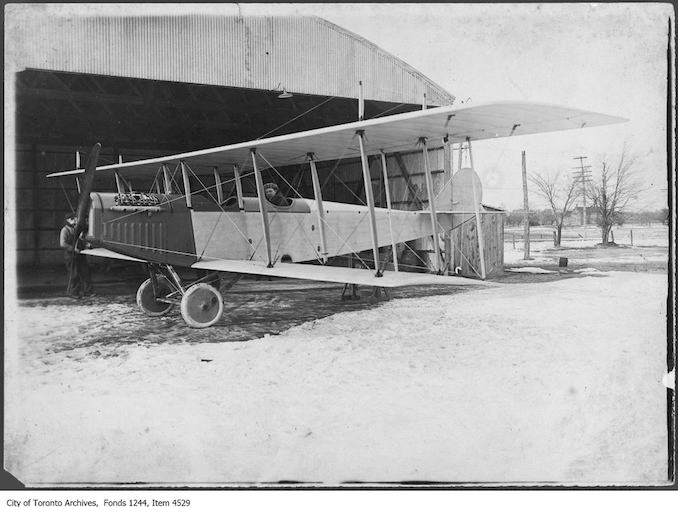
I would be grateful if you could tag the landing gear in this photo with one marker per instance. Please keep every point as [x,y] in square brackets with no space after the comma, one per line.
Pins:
[350,292]
[201,305]
[200,301]
[380,293]
[154,301]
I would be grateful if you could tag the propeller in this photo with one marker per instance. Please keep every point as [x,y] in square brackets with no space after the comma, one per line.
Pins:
[86,185]
[84,202]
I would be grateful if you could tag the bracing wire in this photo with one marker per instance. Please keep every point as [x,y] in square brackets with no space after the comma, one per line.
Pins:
[223,212]
[328,225]
[155,181]
[389,110]
[296,117]
[299,222]
[68,199]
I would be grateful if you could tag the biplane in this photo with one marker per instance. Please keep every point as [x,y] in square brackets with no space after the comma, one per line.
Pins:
[187,223]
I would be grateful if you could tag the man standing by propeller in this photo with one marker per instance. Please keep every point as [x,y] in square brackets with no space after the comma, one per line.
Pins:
[79,277]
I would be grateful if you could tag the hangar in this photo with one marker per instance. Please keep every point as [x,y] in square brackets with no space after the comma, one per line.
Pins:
[154,85]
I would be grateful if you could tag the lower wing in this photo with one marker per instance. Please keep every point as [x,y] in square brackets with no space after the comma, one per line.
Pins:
[336,274]
[313,272]
[104,252]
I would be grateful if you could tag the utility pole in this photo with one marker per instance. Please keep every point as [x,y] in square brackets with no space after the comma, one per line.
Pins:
[526,209]
[583,175]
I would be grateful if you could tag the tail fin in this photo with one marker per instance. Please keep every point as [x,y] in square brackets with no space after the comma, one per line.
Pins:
[458,193]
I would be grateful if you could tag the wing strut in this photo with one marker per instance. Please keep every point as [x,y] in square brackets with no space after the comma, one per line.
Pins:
[217,182]
[431,204]
[187,185]
[262,207]
[388,206]
[479,229]
[118,183]
[367,180]
[238,186]
[167,179]
[319,204]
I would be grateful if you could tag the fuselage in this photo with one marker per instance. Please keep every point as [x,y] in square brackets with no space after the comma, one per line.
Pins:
[162,228]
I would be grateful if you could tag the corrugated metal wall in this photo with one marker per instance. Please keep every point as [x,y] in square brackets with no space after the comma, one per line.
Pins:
[302,54]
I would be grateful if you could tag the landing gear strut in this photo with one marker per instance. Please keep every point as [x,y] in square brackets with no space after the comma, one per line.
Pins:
[200,301]
[380,293]
[353,292]
[350,293]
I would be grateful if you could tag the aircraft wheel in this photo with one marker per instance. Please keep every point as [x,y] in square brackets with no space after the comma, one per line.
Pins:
[146,299]
[202,305]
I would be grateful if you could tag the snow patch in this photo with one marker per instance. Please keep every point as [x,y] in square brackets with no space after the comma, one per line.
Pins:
[534,270]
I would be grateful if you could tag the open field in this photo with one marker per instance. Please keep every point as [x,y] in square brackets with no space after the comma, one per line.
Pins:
[643,235]
[649,251]
[558,381]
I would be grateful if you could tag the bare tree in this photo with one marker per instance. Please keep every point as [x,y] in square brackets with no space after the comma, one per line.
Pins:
[561,197]
[612,192]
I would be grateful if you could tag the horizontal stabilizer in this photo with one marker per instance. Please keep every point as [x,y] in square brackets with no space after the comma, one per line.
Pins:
[335,274]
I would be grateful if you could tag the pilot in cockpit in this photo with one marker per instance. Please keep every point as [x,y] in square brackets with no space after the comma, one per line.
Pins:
[274,196]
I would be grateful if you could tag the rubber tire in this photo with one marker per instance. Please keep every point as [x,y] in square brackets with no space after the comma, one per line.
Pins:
[146,299]
[202,305]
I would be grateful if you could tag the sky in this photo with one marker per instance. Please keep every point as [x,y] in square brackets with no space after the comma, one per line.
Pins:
[606,58]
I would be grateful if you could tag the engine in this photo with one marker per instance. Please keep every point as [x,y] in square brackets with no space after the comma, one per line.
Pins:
[154,227]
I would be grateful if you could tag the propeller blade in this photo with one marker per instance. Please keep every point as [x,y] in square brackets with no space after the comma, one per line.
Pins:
[85,189]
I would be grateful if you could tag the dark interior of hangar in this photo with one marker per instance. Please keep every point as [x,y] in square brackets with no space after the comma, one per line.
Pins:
[68,109]
[59,113]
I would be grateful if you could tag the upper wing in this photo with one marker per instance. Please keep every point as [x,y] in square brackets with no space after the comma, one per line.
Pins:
[390,133]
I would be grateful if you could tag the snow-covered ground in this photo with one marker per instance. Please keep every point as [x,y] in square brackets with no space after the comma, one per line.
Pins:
[649,250]
[557,381]
[530,269]
[587,254]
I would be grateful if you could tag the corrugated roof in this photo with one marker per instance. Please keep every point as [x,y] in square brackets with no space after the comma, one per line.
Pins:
[302,54]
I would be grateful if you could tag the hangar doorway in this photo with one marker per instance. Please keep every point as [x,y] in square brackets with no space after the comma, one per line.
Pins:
[61,113]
